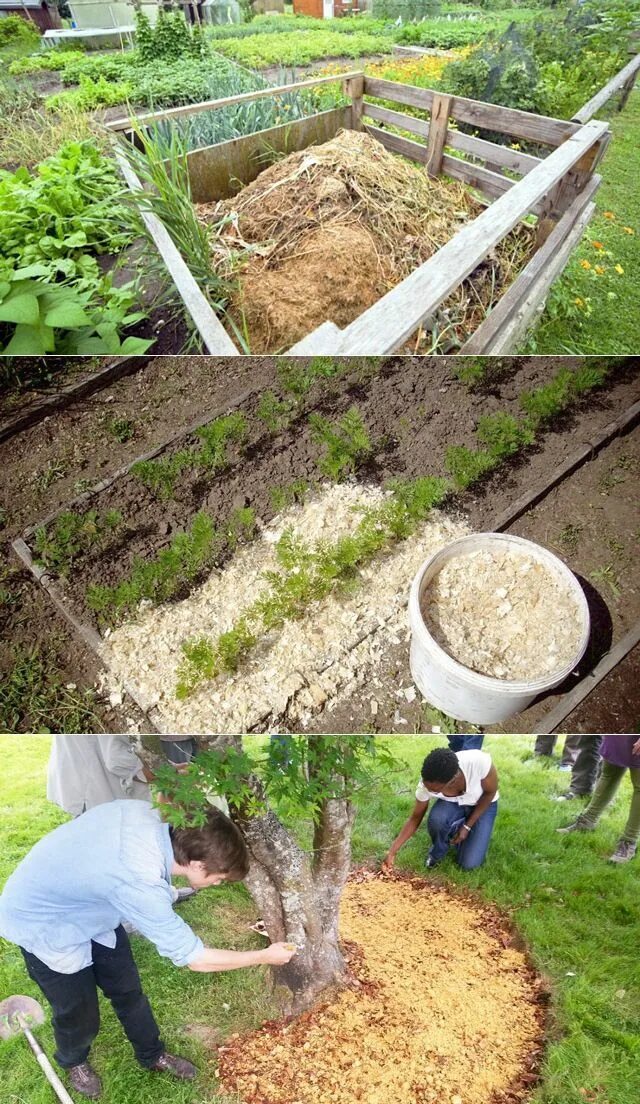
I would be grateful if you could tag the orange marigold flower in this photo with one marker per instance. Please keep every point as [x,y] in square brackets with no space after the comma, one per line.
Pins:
[597,245]
[609,214]
[585,263]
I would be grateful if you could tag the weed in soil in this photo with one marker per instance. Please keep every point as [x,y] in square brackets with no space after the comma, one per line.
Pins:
[276,413]
[73,534]
[289,494]
[347,443]
[33,698]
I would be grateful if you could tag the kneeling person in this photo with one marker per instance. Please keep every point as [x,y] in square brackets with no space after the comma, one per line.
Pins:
[464,789]
[67,901]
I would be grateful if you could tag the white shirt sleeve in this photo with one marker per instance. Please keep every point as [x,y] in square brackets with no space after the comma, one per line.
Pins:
[422,793]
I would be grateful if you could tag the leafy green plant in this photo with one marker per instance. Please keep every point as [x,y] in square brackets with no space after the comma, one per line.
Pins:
[160,475]
[468,465]
[51,61]
[346,442]
[15,29]
[90,95]
[172,38]
[274,412]
[283,497]
[71,535]
[123,429]
[548,402]
[504,435]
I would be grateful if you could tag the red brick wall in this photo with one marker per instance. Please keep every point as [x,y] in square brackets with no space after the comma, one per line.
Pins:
[308,7]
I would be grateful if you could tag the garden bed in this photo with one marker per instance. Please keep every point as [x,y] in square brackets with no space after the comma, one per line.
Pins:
[408,408]
[552,188]
[471,1031]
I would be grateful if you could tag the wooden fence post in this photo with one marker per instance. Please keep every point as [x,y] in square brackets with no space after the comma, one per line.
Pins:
[438,132]
[627,89]
[354,88]
[560,198]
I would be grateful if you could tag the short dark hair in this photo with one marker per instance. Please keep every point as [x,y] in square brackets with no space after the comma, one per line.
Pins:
[441,765]
[219,845]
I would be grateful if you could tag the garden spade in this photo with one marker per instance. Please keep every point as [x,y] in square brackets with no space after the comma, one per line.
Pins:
[21,1014]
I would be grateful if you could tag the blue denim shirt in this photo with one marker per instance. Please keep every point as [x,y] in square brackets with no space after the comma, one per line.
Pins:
[83,879]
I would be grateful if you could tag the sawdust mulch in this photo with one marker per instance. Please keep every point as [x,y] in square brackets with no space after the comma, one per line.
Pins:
[445,1008]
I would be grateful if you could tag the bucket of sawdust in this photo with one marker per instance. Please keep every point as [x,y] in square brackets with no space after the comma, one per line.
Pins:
[495,621]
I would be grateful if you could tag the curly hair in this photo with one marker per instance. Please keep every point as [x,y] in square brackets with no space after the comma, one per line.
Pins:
[441,765]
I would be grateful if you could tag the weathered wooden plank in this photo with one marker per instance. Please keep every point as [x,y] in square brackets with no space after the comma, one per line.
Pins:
[506,120]
[415,151]
[215,337]
[217,172]
[396,118]
[386,325]
[440,112]
[555,717]
[482,340]
[490,151]
[354,89]
[321,342]
[629,73]
[227,101]
[491,183]
[524,315]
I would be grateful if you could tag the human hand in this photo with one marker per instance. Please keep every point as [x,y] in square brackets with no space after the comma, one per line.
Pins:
[461,835]
[278,954]
[388,863]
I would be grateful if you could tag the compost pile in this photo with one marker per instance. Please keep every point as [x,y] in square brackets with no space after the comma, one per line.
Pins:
[503,613]
[330,229]
[447,1010]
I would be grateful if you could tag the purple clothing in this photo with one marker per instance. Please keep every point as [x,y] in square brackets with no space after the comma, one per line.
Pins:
[617,750]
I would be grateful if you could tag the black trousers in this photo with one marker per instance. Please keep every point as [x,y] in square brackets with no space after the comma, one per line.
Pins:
[74,1002]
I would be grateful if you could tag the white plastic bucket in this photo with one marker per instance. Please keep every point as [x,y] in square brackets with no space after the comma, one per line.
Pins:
[454,688]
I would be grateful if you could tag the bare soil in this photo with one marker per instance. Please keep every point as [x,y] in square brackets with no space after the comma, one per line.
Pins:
[470,1030]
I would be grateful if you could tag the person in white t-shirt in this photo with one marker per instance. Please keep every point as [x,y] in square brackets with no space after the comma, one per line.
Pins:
[464,789]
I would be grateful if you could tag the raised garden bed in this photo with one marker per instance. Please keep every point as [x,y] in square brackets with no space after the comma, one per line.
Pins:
[408,409]
[556,190]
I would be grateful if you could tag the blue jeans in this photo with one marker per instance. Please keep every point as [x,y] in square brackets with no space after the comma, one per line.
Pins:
[465,743]
[443,822]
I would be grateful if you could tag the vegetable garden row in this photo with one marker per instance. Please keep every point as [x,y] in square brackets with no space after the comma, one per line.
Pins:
[73,277]
[238,568]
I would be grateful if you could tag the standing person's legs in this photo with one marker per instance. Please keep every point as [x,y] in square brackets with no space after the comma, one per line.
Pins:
[117,975]
[465,743]
[74,1005]
[440,822]
[544,745]
[585,767]
[605,791]
[179,749]
[473,851]
[570,751]
[631,833]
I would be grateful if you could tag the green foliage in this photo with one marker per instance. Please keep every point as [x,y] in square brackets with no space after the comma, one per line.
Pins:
[274,412]
[16,30]
[548,402]
[72,535]
[172,38]
[160,475]
[407,10]
[53,224]
[503,434]
[90,95]
[468,465]
[471,370]
[346,442]
[297,48]
[170,572]
[284,497]
[51,61]
[225,772]
[35,698]
[110,67]
[123,429]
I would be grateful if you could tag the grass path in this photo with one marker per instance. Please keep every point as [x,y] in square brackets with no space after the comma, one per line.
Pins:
[578,914]
[595,313]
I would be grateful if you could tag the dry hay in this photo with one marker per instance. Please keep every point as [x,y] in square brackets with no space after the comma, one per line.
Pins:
[330,229]
[503,613]
[447,1010]
[297,669]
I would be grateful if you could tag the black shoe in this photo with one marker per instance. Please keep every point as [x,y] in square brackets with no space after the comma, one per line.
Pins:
[177,1067]
[431,863]
[85,1080]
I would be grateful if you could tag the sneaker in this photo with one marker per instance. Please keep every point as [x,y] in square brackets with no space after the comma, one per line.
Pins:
[568,796]
[177,1067]
[184,895]
[577,826]
[624,852]
[564,767]
[431,863]
[84,1080]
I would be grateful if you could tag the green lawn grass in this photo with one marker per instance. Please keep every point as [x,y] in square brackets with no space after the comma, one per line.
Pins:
[578,914]
[591,313]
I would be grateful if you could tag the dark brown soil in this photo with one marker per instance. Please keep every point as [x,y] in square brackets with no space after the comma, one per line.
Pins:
[36,378]
[413,409]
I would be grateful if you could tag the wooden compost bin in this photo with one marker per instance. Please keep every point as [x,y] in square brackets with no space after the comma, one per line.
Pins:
[557,189]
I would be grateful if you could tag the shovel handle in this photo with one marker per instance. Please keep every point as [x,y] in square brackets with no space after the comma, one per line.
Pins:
[46,1067]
